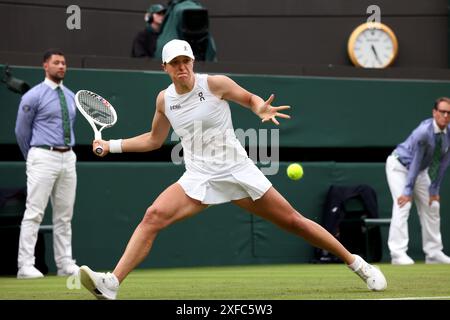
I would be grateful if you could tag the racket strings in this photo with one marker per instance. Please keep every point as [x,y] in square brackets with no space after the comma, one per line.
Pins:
[97,108]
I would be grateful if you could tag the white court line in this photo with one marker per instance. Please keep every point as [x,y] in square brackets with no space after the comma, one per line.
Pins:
[417,298]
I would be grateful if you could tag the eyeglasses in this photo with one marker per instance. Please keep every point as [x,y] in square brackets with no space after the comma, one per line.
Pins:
[443,112]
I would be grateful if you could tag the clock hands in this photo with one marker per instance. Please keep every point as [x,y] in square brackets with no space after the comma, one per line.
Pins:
[376,55]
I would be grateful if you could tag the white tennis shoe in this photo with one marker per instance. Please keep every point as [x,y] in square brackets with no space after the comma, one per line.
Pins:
[438,258]
[104,286]
[29,272]
[371,275]
[403,260]
[70,269]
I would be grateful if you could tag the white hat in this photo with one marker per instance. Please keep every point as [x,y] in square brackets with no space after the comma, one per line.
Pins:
[175,48]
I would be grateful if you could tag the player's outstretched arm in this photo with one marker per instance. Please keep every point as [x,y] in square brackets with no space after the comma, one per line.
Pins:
[226,88]
[145,142]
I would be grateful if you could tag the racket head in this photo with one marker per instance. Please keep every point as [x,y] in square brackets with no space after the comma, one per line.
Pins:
[96,108]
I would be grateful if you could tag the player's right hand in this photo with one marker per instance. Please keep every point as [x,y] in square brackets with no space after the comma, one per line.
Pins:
[104,144]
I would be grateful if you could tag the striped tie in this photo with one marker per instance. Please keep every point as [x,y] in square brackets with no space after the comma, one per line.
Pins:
[433,170]
[65,116]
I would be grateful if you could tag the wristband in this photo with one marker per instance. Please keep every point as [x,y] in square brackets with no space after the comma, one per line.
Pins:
[115,146]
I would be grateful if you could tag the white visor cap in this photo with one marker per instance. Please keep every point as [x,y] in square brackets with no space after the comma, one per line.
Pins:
[175,48]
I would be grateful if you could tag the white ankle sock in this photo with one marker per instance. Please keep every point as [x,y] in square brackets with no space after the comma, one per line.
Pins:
[356,264]
[114,278]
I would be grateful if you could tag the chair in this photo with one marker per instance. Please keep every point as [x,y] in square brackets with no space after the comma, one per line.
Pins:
[345,210]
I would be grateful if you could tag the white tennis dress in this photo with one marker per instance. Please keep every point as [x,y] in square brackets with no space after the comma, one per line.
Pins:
[218,168]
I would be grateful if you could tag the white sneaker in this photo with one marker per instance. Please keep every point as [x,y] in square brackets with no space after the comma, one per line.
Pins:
[104,286]
[68,270]
[404,260]
[29,272]
[370,274]
[439,258]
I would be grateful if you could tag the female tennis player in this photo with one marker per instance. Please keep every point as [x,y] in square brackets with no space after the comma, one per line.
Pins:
[218,169]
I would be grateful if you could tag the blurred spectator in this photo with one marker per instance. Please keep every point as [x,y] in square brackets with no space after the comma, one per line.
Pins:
[144,43]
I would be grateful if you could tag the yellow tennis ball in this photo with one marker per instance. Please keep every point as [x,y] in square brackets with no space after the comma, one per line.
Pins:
[295,171]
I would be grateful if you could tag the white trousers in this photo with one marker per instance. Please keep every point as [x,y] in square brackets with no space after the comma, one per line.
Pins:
[50,174]
[428,215]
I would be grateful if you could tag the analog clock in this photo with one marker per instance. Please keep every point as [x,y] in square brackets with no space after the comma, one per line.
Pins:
[372,45]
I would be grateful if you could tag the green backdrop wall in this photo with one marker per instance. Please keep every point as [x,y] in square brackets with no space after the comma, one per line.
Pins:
[326,112]
[112,198]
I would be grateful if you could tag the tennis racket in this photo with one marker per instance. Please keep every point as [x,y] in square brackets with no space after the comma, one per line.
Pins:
[97,111]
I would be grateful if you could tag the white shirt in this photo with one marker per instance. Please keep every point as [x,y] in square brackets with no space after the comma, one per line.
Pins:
[203,123]
[437,129]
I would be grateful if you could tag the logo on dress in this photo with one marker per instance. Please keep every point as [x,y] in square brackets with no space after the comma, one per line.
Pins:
[175,107]
[200,95]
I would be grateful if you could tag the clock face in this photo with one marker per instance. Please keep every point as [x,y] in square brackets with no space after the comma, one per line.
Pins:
[372,47]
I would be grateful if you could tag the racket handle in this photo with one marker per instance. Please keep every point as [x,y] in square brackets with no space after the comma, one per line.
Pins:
[98,135]
[99,150]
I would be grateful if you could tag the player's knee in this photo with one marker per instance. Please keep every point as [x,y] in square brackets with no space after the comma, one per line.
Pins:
[155,218]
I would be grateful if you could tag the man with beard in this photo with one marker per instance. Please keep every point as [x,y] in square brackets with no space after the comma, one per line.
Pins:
[44,132]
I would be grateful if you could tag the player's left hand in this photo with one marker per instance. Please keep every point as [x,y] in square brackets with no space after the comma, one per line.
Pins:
[267,112]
